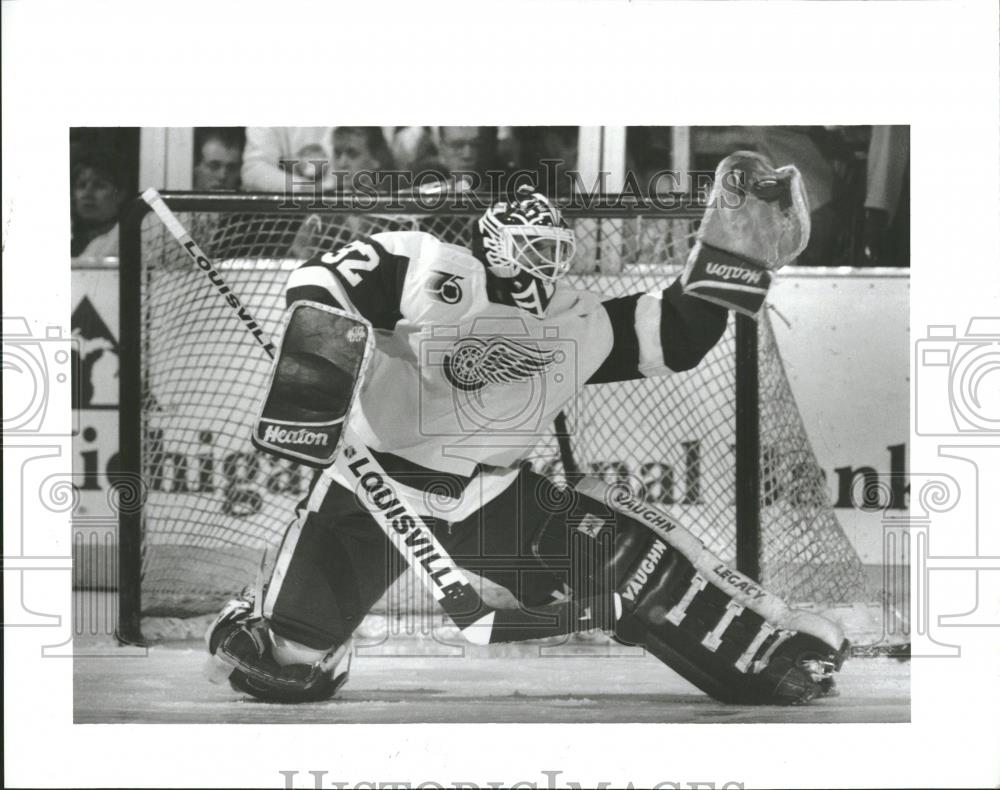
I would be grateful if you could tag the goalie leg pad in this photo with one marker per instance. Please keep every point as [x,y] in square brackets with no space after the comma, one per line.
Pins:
[314,381]
[729,652]
[678,610]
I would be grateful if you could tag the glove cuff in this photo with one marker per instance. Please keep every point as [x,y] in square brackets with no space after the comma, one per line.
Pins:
[725,279]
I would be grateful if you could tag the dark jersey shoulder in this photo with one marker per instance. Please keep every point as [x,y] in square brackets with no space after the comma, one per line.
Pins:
[368,275]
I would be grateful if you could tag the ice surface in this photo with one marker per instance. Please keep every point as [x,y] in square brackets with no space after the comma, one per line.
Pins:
[165,684]
[400,678]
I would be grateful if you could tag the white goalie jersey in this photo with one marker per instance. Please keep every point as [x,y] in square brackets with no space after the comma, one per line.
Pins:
[464,382]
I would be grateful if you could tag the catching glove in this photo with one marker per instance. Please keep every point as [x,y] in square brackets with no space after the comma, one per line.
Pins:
[757,221]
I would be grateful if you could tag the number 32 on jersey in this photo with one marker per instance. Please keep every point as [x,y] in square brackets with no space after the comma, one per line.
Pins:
[350,260]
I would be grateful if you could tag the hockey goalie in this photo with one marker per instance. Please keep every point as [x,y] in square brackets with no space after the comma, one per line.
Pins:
[416,376]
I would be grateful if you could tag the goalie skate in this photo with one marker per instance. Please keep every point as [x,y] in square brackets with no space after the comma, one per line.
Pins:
[235,612]
[241,650]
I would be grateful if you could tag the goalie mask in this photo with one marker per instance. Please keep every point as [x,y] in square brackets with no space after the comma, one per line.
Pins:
[526,247]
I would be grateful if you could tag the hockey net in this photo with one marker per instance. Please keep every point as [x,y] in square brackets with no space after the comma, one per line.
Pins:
[212,505]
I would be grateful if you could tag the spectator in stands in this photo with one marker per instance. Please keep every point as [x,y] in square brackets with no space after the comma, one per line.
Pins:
[96,199]
[360,151]
[307,150]
[219,156]
[551,143]
[887,198]
[410,145]
[300,146]
[463,149]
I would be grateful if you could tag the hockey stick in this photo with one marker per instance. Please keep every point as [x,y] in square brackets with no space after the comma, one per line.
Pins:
[404,527]
[570,467]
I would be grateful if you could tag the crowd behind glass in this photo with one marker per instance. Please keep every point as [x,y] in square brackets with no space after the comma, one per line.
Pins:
[857,177]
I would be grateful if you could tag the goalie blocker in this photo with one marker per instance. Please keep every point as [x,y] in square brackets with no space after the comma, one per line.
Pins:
[314,380]
[714,626]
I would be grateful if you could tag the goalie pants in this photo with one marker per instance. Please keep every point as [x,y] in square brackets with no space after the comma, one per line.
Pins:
[336,563]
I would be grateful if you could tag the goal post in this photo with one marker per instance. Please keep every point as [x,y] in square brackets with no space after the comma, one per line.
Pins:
[722,448]
[747,429]
[130,375]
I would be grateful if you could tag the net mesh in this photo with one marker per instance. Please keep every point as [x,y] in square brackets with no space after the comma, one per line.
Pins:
[214,504]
